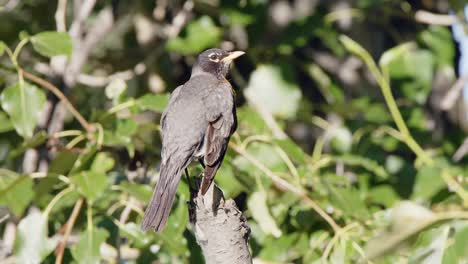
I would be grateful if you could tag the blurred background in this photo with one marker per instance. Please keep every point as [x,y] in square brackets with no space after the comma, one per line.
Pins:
[351,141]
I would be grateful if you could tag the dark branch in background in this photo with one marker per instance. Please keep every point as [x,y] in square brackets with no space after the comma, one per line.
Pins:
[219,227]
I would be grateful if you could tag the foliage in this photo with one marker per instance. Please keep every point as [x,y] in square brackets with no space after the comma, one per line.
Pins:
[340,155]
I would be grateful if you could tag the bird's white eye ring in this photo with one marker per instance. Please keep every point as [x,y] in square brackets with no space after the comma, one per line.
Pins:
[213,57]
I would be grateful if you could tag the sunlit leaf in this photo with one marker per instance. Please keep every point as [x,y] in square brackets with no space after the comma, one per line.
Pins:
[2,47]
[16,191]
[133,232]
[102,162]
[32,244]
[115,88]
[349,201]
[429,181]
[91,184]
[154,102]
[87,251]
[141,192]
[23,103]
[5,123]
[431,245]
[258,207]
[199,35]
[51,43]
[275,89]
[407,218]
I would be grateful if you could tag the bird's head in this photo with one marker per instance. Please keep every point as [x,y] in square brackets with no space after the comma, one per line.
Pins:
[215,61]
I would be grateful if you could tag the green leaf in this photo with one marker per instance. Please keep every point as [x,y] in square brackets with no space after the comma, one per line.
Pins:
[250,121]
[154,102]
[439,40]
[126,127]
[141,192]
[23,103]
[275,89]
[228,182]
[395,53]
[292,149]
[51,43]
[429,181]
[37,139]
[91,184]
[133,232]
[341,139]
[431,245]
[5,123]
[384,194]
[63,162]
[199,35]
[115,88]
[257,204]
[280,250]
[460,246]
[32,244]
[16,191]
[87,251]
[407,219]
[349,201]
[266,154]
[3,46]
[102,163]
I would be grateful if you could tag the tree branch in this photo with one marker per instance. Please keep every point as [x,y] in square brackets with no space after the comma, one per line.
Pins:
[69,226]
[56,91]
[219,227]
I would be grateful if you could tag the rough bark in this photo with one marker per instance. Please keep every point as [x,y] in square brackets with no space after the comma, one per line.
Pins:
[220,228]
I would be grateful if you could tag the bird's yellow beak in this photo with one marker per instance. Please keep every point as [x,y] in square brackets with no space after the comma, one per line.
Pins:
[232,56]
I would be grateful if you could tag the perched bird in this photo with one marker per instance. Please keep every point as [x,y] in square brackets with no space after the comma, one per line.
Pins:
[197,124]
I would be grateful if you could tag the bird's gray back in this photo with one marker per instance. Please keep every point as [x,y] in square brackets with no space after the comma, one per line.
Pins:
[185,118]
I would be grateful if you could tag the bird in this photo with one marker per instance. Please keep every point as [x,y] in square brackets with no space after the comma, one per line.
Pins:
[196,125]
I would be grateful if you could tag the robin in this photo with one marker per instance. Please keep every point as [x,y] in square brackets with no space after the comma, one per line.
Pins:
[196,124]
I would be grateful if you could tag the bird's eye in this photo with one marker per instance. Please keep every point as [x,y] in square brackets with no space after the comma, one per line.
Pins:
[213,57]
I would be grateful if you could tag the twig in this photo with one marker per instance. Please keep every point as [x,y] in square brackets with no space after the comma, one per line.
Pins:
[267,117]
[4,218]
[287,186]
[71,221]
[434,19]
[60,16]
[98,81]
[461,151]
[452,95]
[82,47]
[179,20]
[56,91]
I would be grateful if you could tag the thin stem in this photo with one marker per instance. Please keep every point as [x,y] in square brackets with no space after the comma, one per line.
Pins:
[75,141]
[54,201]
[67,133]
[384,85]
[89,218]
[56,91]
[287,186]
[335,238]
[18,50]
[69,226]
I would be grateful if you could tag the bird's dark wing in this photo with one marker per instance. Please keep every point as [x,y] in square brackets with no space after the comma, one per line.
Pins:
[176,155]
[222,123]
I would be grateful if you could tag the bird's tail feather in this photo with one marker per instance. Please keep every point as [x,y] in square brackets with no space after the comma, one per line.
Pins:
[159,207]
[208,177]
